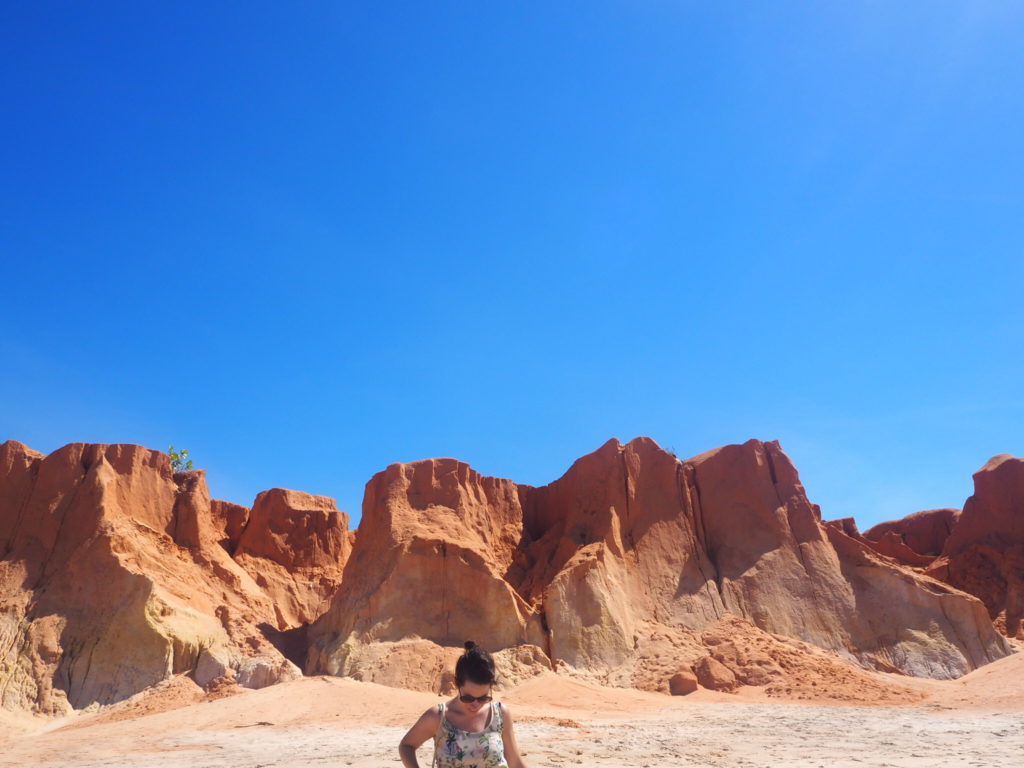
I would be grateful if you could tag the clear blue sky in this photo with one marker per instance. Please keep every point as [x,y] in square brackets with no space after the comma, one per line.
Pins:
[307,240]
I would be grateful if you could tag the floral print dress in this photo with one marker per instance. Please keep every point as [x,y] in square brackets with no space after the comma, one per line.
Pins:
[456,748]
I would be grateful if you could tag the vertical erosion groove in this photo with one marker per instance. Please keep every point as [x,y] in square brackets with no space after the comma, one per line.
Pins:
[445,611]
[627,528]
[688,482]
[549,644]
[816,599]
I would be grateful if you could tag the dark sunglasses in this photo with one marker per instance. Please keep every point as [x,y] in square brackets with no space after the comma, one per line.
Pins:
[467,699]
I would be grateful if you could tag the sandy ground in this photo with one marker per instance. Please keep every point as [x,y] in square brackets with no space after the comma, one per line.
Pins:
[975,721]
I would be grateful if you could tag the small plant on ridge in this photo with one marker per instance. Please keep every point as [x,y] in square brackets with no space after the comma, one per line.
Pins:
[180,462]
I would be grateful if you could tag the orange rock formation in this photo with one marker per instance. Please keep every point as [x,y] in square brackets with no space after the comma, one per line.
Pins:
[615,568]
[922,532]
[979,550]
[889,543]
[116,573]
[984,554]
[633,569]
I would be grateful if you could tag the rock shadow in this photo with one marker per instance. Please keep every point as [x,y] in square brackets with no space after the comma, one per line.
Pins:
[292,643]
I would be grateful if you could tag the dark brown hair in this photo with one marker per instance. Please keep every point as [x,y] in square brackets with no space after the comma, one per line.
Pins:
[475,666]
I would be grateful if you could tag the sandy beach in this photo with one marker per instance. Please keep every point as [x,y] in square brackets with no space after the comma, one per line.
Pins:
[975,721]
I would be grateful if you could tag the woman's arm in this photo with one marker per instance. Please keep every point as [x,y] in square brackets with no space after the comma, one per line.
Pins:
[424,729]
[508,737]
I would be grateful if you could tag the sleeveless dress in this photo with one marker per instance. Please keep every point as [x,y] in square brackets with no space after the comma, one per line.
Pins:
[456,748]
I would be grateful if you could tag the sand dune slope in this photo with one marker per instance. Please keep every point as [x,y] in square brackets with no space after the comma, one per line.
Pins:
[329,721]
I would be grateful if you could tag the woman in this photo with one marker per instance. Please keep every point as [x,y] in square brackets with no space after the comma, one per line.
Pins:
[470,730]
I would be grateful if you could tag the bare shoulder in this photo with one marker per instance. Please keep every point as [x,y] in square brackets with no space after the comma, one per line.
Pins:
[506,713]
[429,719]
[424,728]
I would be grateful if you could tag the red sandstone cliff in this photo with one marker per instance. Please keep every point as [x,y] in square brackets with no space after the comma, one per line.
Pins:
[984,554]
[924,533]
[915,540]
[294,545]
[116,573]
[435,542]
[979,550]
[616,567]
[889,542]
[633,568]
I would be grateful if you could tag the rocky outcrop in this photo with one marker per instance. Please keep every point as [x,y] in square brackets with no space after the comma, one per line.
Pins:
[633,568]
[924,533]
[230,520]
[984,553]
[116,573]
[295,545]
[615,568]
[714,675]
[890,543]
[683,682]
[435,542]
[784,667]
[915,540]
[979,550]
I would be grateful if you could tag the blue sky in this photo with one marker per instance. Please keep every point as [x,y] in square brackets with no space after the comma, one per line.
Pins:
[308,240]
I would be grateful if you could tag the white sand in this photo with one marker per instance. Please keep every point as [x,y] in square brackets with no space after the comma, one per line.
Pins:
[975,721]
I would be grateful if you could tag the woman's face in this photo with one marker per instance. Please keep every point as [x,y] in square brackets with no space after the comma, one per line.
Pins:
[476,690]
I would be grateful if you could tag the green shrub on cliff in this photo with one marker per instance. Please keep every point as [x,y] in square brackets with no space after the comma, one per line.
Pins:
[180,462]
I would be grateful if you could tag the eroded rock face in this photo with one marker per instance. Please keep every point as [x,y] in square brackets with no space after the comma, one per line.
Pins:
[984,554]
[683,682]
[630,554]
[632,567]
[115,574]
[788,668]
[230,520]
[295,545]
[979,550]
[890,543]
[714,675]
[295,530]
[925,532]
[915,540]
[434,545]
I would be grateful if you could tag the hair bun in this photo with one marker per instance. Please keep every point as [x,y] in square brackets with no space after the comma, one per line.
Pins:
[475,665]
